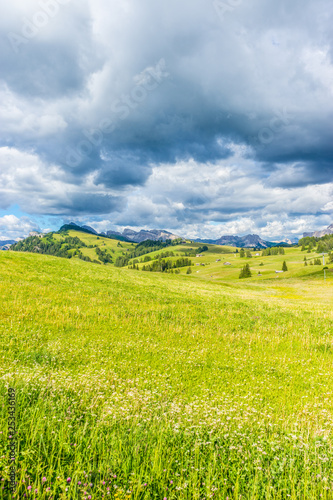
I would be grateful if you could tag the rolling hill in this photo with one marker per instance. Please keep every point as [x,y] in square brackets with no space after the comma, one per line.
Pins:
[132,385]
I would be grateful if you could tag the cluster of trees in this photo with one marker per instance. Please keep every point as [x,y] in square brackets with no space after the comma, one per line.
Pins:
[265,252]
[162,265]
[244,253]
[144,248]
[148,258]
[150,246]
[308,240]
[67,247]
[103,256]
[88,259]
[121,261]
[192,252]
[315,262]
[202,249]
[323,244]
[134,266]
[84,257]
[245,272]
[165,255]
[273,251]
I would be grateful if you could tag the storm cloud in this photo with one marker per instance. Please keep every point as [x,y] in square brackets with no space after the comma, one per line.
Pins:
[191,116]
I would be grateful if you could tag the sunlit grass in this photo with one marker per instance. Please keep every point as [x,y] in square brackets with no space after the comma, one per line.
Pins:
[145,385]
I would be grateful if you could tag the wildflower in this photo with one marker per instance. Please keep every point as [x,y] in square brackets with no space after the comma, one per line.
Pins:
[29,487]
[44,479]
[68,480]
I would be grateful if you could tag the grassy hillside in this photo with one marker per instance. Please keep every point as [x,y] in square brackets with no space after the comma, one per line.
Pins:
[76,244]
[211,265]
[143,385]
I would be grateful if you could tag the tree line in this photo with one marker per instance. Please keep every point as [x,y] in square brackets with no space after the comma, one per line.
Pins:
[163,265]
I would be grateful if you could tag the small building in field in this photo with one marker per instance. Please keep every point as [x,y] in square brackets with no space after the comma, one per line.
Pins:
[226,264]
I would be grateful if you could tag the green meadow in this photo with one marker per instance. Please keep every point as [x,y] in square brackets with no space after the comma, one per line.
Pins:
[140,385]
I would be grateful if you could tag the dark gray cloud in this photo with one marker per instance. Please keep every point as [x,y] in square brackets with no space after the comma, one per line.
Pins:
[96,96]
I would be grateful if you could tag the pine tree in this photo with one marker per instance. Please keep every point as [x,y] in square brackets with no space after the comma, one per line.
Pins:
[284,266]
[189,271]
[242,253]
[245,272]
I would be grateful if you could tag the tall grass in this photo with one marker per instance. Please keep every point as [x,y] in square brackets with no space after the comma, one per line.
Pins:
[139,386]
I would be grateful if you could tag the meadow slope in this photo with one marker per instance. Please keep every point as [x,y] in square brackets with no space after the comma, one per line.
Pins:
[133,385]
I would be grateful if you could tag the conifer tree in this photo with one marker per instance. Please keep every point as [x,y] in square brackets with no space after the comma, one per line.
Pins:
[245,272]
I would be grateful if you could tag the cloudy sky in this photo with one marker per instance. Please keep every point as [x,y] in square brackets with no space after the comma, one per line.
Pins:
[201,117]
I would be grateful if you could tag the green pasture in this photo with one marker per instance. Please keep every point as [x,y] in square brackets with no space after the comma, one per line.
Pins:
[137,385]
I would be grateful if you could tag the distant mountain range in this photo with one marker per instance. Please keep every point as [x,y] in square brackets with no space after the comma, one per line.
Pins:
[129,235]
[292,241]
[143,235]
[320,234]
[248,241]
[5,244]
